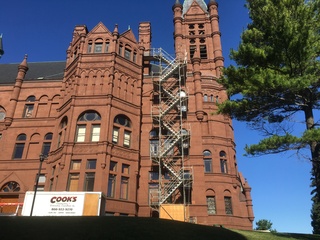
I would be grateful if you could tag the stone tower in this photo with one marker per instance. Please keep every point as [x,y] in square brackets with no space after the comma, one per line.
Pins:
[189,171]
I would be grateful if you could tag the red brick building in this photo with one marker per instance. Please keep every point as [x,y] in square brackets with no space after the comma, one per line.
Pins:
[128,120]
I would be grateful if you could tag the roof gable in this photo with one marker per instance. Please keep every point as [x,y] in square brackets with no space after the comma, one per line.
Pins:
[189,4]
[100,28]
[129,35]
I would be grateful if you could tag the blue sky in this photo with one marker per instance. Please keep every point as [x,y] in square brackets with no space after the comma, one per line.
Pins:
[43,30]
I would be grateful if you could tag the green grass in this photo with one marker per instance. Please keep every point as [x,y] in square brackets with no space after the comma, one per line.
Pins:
[254,235]
[124,228]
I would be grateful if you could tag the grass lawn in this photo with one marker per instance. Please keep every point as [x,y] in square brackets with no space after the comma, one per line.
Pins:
[124,228]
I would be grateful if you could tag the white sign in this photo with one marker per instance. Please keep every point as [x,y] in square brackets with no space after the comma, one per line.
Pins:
[55,203]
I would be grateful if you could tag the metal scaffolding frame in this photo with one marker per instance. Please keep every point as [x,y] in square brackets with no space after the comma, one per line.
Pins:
[169,112]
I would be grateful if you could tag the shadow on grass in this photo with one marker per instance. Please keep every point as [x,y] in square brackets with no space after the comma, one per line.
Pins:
[111,228]
[298,236]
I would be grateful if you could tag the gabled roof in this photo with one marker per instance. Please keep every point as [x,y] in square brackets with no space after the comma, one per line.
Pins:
[37,71]
[129,35]
[187,4]
[100,28]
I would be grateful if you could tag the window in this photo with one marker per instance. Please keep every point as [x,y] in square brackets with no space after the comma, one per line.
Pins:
[2,113]
[89,182]
[75,165]
[46,144]
[192,51]
[203,51]
[154,175]
[125,168]
[122,130]
[153,193]
[62,131]
[207,159]
[127,53]
[107,46]
[135,57]
[115,135]
[19,146]
[42,181]
[10,187]
[89,47]
[127,137]
[113,166]
[154,147]
[228,205]
[98,46]
[223,162]
[124,187]
[73,182]
[91,164]
[120,49]
[205,98]
[211,205]
[88,123]
[111,185]
[28,108]
[95,133]
[81,133]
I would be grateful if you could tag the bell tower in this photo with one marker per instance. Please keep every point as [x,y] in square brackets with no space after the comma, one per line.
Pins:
[212,156]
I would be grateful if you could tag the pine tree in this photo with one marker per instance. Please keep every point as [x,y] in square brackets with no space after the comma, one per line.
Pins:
[276,78]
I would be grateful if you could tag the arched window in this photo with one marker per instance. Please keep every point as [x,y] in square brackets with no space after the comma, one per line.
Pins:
[89,46]
[98,45]
[2,113]
[46,144]
[28,108]
[62,130]
[228,202]
[134,56]
[10,187]
[207,160]
[19,146]
[121,130]
[120,49]
[127,52]
[205,98]
[88,127]
[223,162]
[107,46]
[211,202]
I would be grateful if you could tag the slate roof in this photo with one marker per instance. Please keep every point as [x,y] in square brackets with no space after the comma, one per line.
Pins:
[187,4]
[37,70]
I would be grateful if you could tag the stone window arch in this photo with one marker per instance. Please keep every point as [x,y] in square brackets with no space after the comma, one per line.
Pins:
[98,44]
[211,202]
[19,146]
[88,127]
[207,160]
[127,52]
[122,130]
[29,107]
[46,144]
[10,187]
[223,162]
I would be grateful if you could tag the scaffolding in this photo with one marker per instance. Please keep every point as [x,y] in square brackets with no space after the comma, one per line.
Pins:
[170,147]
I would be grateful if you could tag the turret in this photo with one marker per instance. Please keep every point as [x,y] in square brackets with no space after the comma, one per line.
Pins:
[1,46]
[22,70]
